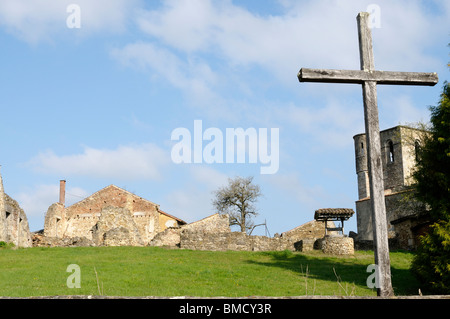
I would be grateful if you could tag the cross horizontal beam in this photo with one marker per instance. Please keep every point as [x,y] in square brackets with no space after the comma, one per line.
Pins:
[361,76]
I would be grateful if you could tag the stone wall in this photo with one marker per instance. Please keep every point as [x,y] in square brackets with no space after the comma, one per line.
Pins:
[213,224]
[54,219]
[338,245]
[310,230]
[78,220]
[213,233]
[13,221]
[15,227]
[116,227]
[82,216]
[216,223]
[167,238]
[231,241]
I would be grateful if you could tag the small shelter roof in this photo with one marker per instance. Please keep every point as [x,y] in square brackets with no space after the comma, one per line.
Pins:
[333,214]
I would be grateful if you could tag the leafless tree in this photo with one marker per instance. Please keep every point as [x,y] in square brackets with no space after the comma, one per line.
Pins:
[237,200]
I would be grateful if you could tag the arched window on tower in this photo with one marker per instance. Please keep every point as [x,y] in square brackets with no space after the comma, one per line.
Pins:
[417,150]
[391,157]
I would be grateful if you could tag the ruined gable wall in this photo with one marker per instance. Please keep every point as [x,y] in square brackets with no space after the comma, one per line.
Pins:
[82,216]
[17,229]
[310,230]
[212,224]
[110,196]
[116,227]
[55,221]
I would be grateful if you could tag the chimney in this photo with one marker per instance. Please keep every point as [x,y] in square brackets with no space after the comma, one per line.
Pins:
[62,192]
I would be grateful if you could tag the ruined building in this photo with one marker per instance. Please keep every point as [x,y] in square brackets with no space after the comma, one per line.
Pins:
[13,221]
[111,216]
[406,218]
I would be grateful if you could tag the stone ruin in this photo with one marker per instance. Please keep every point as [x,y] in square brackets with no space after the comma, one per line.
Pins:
[76,225]
[13,221]
[116,217]
[111,216]
[213,233]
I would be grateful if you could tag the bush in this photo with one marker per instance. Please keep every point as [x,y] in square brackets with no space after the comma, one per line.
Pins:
[432,261]
[4,244]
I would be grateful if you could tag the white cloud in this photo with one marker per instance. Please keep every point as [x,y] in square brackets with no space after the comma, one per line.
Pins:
[39,20]
[332,125]
[133,162]
[318,33]
[35,201]
[402,110]
[210,51]
[192,76]
[183,75]
[193,202]
[307,196]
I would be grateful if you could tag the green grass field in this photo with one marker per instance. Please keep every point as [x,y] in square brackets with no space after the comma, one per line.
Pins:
[151,271]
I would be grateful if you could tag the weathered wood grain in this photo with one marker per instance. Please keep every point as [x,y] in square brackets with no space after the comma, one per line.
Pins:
[368,77]
[361,76]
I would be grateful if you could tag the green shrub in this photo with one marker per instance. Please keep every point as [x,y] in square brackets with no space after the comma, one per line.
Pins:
[432,187]
[432,261]
[4,244]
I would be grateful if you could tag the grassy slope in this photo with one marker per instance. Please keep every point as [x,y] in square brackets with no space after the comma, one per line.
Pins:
[145,271]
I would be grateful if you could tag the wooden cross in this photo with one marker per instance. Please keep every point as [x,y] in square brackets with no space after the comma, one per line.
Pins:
[369,78]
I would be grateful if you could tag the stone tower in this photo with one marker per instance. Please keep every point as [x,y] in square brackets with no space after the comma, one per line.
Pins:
[398,149]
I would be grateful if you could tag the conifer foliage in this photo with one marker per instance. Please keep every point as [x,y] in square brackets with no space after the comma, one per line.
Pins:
[432,185]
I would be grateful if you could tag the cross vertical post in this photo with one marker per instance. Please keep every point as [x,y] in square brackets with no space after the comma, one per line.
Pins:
[378,206]
[368,77]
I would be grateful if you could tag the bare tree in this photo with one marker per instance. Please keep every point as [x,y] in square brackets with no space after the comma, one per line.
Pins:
[237,200]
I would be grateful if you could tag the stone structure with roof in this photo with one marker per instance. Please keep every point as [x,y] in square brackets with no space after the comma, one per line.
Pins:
[112,212]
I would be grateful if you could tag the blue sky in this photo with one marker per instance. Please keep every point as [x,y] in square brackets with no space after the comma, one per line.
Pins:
[97,105]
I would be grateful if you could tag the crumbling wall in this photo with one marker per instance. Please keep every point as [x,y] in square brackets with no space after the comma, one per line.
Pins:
[13,221]
[116,227]
[16,223]
[82,216]
[214,224]
[170,237]
[78,220]
[231,241]
[213,233]
[310,230]
[55,222]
